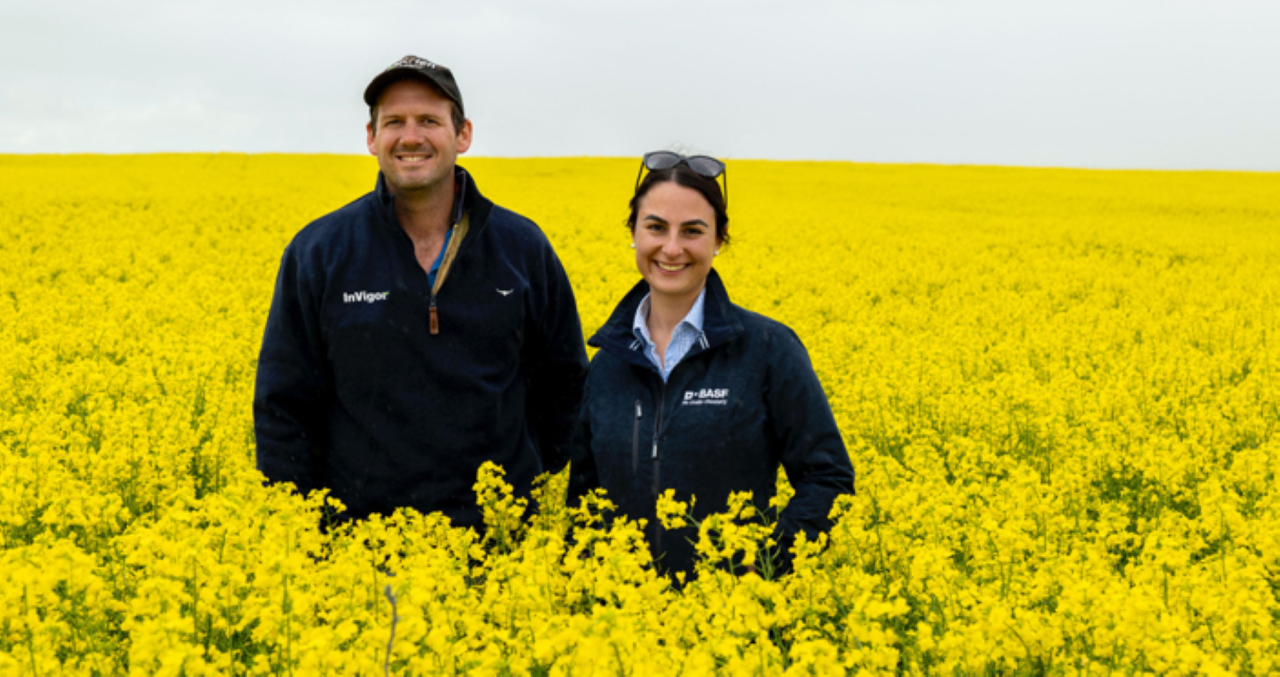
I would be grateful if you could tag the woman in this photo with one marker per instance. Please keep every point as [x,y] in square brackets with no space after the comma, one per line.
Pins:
[693,393]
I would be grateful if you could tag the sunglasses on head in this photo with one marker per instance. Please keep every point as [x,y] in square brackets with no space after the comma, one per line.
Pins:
[702,165]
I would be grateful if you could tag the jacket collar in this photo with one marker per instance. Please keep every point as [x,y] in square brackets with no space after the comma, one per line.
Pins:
[720,323]
[466,197]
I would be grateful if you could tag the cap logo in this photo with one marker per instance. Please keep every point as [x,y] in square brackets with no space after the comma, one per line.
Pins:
[413,62]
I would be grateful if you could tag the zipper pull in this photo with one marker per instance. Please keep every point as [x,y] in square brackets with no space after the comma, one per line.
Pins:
[435,319]
[655,448]
[638,414]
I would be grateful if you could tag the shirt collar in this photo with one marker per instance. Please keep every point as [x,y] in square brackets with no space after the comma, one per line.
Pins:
[640,324]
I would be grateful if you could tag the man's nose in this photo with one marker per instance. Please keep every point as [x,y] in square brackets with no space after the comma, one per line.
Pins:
[413,133]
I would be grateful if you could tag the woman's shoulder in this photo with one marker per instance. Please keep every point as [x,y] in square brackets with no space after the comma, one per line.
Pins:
[605,364]
[771,344]
[729,319]
[760,327]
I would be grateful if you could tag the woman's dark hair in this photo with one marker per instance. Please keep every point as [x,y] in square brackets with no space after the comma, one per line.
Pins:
[682,175]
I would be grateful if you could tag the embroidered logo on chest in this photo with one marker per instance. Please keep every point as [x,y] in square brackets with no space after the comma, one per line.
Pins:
[705,397]
[365,296]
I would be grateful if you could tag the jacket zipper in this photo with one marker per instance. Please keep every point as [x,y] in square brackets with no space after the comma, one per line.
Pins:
[657,465]
[635,441]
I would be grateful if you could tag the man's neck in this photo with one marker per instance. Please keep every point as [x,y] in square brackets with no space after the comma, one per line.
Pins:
[425,214]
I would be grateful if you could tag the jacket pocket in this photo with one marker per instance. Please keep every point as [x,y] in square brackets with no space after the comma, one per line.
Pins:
[635,440]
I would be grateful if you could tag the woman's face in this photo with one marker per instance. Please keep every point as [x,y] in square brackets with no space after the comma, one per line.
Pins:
[675,239]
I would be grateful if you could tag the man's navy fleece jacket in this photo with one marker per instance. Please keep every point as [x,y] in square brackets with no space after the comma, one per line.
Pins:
[354,393]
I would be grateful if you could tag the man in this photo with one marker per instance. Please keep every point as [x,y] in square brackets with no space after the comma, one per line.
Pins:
[418,331]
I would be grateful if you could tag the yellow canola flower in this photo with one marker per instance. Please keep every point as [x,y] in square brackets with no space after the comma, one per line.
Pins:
[1058,388]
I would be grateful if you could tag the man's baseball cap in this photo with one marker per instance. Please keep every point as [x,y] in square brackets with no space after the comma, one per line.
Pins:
[417,68]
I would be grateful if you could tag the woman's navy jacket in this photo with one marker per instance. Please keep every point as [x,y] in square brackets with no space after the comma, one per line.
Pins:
[734,408]
[355,393]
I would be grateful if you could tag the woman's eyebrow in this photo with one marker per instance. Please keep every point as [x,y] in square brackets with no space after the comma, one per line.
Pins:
[691,222]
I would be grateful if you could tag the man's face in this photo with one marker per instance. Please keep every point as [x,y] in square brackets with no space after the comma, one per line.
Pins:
[414,139]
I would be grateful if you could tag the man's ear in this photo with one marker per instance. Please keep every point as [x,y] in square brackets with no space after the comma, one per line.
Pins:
[464,137]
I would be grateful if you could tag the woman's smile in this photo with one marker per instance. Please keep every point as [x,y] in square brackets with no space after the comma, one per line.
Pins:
[671,267]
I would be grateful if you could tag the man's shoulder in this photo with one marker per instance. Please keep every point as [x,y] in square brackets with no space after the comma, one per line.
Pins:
[506,223]
[518,240]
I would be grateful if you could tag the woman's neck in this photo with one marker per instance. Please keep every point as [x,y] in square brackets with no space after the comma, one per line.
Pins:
[665,312]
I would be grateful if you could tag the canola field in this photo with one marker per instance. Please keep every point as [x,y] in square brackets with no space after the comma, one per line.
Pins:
[1059,390]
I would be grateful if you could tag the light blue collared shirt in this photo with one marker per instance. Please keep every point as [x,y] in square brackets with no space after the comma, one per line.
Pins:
[688,332]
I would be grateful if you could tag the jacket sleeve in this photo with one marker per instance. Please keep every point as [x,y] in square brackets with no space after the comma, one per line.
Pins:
[813,451]
[555,360]
[294,384]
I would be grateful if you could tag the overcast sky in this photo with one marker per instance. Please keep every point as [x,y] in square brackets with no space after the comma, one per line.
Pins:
[1164,84]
